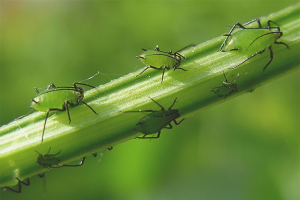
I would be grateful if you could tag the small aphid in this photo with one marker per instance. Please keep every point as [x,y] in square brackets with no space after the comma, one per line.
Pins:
[19,185]
[59,99]
[49,161]
[252,41]
[156,120]
[227,88]
[160,60]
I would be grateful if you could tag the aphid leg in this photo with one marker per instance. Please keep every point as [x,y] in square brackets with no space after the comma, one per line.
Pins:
[180,68]
[51,86]
[89,107]
[154,137]
[271,58]
[254,20]
[19,185]
[34,101]
[81,163]
[163,68]
[283,44]
[77,83]
[240,26]
[53,154]
[259,52]
[169,127]
[50,109]
[110,148]
[172,104]
[269,25]
[95,154]
[41,175]
[229,34]
[67,108]
[226,81]
[148,68]
[177,123]
[162,108]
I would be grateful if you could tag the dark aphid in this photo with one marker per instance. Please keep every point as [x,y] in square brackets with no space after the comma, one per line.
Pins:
[156,120]
[160,60]
[59,99]
[49,161]
[227,88]
[252,41]
[19,185]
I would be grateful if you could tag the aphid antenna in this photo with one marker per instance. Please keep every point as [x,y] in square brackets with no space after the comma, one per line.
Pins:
[89,78]
[162,108]
[172,104]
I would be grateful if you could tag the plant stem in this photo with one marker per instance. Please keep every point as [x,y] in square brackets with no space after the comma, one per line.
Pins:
[89,133]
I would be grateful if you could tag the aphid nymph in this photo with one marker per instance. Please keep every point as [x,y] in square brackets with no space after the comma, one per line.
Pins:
[227,88]
[50,161]
[252,41]
[160,60]
[59,99]
[156,120]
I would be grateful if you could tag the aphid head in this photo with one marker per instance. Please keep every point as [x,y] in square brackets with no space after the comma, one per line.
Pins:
[39,157]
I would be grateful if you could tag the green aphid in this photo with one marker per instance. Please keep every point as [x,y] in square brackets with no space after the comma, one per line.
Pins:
[59,99]
[49,161]
[252,41]
[156,120]
[160,60]
[19,185]
[227,88]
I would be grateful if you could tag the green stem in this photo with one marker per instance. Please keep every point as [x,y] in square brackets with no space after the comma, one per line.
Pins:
[89,133]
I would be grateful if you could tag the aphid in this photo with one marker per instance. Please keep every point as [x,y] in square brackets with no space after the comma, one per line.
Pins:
[227,88]
[156,120]
[19,185]
[160,60]
[252,41]
[49,161]
[59,99]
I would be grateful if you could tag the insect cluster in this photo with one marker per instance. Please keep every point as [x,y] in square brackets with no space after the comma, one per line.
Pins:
[248,41]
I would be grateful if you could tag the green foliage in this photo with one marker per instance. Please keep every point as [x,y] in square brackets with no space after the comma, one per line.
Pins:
[247,147]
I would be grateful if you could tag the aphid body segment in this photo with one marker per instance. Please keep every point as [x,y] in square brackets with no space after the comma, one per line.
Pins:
[58,99]
[160,60]
[227,88]
[156,120]
[252,41]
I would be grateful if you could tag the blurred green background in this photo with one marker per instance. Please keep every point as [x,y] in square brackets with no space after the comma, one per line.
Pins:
[246,148]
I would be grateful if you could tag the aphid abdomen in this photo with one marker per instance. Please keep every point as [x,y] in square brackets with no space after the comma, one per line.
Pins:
[250,41]
[154,122]
[54,99]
